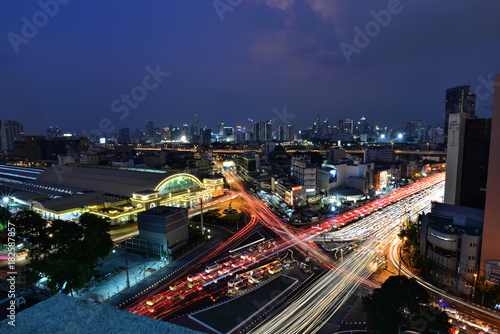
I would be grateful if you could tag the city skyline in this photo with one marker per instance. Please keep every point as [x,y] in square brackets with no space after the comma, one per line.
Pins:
[226,64]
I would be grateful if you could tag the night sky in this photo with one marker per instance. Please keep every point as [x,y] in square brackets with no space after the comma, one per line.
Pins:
[263,54]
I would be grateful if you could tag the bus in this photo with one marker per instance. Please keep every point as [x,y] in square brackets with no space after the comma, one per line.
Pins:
[212,267]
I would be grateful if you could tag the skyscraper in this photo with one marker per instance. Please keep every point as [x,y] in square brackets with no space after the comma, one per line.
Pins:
[196,124]
[490,248]
[467,160]
[341,126]
[268,131]
[325,129]
[459,100]
[290,132]
[150,129]
[11,131]
[53,132]
[205,136]
[363,127]
[228,133]
[317,126]
[348,125]
[221,129]
[258,131]
[123,136]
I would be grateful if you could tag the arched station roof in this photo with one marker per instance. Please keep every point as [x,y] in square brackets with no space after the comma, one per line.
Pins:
[117,181]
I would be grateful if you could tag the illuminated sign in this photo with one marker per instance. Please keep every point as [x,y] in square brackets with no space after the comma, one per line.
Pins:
[228,164]
[296,188]
[383,179]
[332,176]
[102,140]
[492,271]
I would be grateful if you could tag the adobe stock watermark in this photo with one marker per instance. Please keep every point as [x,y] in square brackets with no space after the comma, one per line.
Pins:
[139,93]
[484,90]
[372,29]
[30,28]
[284,116]
[223,6]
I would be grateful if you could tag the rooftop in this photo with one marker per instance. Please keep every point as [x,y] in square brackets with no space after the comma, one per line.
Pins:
[163,211]
[64,314]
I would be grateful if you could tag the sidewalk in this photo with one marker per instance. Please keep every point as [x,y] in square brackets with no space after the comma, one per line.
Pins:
[162,275]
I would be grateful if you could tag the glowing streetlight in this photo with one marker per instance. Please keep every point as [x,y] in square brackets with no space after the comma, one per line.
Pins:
[6,199]
[400,136]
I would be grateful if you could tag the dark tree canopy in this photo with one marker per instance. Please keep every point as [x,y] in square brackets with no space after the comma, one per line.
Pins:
[65,251]
[403,302]
[4,217]
[28,222]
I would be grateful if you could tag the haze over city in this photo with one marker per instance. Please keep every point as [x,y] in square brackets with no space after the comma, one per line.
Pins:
[228,63]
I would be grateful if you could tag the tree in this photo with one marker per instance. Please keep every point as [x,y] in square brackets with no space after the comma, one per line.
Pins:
[66,251]
[402,303]
[28,222]
[4,217]
[96,238]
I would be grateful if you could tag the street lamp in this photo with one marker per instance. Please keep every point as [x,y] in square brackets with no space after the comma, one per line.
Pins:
[474,287]
[400,255]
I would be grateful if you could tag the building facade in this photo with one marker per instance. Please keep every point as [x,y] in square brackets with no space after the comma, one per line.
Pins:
[10,132]
[304,174]
[459,100]
[166,226]
[450,238]
[467,159]
[490,250]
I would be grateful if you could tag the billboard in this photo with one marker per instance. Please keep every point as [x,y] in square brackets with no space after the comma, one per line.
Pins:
[492,271]
[332,176]
[383,179]
[228,164]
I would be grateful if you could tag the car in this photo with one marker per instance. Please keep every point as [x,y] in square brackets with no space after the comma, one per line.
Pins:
[151,270]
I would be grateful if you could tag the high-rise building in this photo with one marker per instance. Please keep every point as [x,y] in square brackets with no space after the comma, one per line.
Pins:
[250,126]
[11,131]
[281,132]
[459,100]
[490,249]
[290,132]
[467,160]
[363,127]
[205,136]
[317,126]
[341,126]
[304,173]
[196,124]
[53,132]
[325,129]
[166,135]
[221,129]
[228,134]
[123,136]
[348,126]
[268,131]
[285,132]
[150,129]
[259,132]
